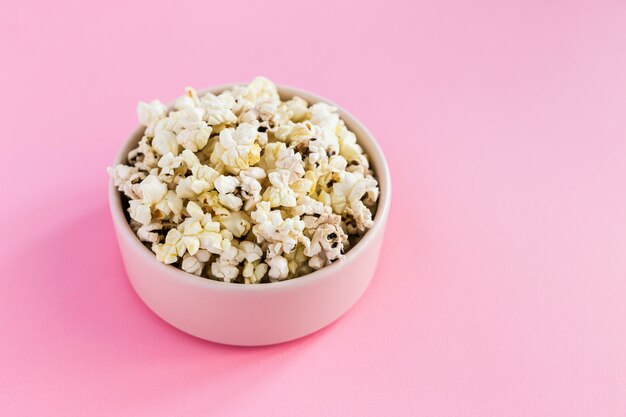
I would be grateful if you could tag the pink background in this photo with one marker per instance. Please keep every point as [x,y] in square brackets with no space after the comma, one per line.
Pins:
[502,284]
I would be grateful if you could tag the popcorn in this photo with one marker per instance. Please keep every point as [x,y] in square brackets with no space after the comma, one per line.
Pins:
[350,188]
[150,113]
[279,193]
[218,109]
[327,240]
[298,108]
[152,190]
[146,232]
[352,152]
[187,101]
[201,180]
[325,116]
[279,268]
[173,247]
[236,149]
[251,187]
[238,223]
[270,227]
[169,164]
[253,273]
[143,157]
[139,212]
[308,205]
[170,207]
[226,186]
[243,187]
[249,251]
[192,131]
[225,267]
[194,264]
[164,141]
[194,139]
[200,231]
[290,161]
[126,178]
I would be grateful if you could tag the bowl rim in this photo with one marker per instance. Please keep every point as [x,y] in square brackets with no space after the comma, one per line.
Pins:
[382,176]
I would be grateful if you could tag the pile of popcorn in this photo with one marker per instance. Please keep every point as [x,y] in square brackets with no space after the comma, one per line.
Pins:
[243,187]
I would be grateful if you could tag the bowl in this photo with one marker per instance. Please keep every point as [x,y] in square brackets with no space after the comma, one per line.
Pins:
[260,314]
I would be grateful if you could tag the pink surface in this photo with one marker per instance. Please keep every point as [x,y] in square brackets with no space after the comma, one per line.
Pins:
[502,284]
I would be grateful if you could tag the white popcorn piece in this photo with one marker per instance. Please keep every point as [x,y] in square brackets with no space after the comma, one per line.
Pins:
[169,163]
[236,149]
[143,157]
[249,251]
[150,113]
[193,132]
[273,189]
[301,187]
[352,152]
[194,264]
[279,268]
[164,141]
[211,200]
[282,115]
[172,249]
[272,153]
[299,109]
[290,161]
[170,207]
[279,193]
[325,116]
[194,139]
[225,267]
[225,184]
[317,262]
[308,205]
[238,223]
[199,231]
[298,262]
[152,190]
[251,187]
[147,232]
[139,211]
[202,179]
[361,214]
[231,201]
[187,101]
[337,163]
[264,109]
[254,272]
[259,90]
[270,227]
[327,239]
[218,109]
[350,188]
[126,179]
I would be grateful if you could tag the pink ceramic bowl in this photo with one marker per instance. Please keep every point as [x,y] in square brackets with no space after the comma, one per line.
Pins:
[263,314]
